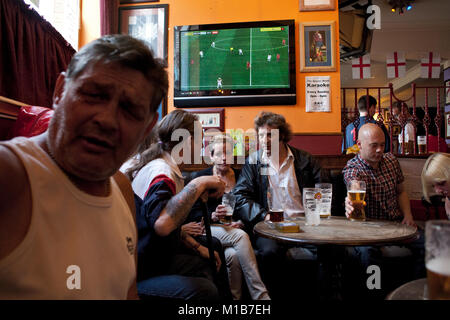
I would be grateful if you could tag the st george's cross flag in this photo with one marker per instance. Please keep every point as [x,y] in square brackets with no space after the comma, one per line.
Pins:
[430,65]
[396,65]
[361,67]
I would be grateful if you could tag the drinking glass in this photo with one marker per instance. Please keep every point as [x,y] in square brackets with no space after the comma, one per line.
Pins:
[326,191]
[311,204]
[276,200]
[437,259]
[356,191]
[228,201]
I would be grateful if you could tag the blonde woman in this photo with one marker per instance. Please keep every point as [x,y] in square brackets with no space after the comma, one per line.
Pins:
[436,178]
[239,254]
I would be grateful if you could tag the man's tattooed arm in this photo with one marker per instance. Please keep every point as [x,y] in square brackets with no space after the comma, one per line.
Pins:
[181,204]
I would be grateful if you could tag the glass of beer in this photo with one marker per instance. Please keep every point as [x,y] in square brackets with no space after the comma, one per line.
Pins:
[356,191]
[311,204]
[228,201]
[275,203]
[422,144]
[437,259]
[326,190]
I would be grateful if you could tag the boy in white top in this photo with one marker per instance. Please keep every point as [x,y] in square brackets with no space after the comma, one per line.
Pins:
[66,227]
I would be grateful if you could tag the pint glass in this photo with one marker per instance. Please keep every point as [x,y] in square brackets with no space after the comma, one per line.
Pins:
[356,191]
[276,202]
[228,200]
[311,203]
[326,190]
[437,259]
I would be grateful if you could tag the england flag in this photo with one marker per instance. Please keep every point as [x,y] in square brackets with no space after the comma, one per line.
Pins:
[361,67]
[430,66]
[396,65]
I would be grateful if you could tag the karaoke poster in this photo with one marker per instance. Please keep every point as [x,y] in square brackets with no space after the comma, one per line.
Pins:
[317,94]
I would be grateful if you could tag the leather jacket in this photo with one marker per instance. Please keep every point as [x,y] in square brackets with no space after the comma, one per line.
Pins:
[251,188]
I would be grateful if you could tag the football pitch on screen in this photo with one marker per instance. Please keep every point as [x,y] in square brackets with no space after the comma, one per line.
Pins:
[242,58]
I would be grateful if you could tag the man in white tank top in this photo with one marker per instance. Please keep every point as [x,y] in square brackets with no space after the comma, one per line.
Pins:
[67,229]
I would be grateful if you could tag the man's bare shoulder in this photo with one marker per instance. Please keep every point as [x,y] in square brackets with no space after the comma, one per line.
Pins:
[13,176]
[15,201]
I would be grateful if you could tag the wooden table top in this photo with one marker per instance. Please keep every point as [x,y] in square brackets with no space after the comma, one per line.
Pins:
[341,231]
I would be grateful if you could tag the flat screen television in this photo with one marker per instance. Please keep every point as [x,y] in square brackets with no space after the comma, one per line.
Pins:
[235,64]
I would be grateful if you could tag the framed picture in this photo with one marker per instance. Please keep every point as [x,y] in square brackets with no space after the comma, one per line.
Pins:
[317,46]
[210,118]
[447,92]
[396,130]
[148,23]
[447,125]
[136,1]
[162,109]
[316,5]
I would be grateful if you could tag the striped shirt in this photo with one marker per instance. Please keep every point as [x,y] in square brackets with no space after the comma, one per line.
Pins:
[381,185]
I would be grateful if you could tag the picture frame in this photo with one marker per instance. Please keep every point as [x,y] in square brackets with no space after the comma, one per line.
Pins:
[136,1]
[447,92]
[316,5]
[148,23]
[317,46]
[213,118]
[447,125]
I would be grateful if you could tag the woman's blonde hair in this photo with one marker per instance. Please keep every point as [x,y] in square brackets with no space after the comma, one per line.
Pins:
[435,170]
[220,138]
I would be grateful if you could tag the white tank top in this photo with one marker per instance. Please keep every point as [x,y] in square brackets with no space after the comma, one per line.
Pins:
[78,246]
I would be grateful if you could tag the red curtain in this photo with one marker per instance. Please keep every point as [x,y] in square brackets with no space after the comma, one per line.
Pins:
[32,54]
[109,17]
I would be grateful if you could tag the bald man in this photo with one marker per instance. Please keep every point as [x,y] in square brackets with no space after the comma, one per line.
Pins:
[386,196]
[386,199]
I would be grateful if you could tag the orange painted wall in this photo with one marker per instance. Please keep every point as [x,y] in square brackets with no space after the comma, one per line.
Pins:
[185,12]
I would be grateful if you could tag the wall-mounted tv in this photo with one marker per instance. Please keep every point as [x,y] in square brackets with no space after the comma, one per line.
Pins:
[235,64]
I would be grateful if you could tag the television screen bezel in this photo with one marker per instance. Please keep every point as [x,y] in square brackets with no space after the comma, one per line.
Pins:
[236,97]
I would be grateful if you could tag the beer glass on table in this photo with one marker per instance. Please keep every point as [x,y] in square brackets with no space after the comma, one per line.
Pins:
[228,201]
[326,190]
[311,204]
[437,259]
[356,191]
[276,202]
[422,144]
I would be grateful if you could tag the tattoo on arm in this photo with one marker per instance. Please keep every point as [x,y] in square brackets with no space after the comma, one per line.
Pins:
[181,204]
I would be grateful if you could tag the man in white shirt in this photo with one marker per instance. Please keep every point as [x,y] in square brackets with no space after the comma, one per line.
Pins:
[274,164]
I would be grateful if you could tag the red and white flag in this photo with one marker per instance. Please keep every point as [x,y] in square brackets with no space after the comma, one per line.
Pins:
[396,65]
[430,66]
[361,67]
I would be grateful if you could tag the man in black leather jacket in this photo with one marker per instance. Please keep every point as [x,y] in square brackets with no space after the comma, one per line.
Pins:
[251,188]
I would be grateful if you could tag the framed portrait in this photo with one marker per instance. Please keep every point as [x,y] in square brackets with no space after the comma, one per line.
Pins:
[316,5]
[162,109]
[447,125]
[447,92]
[136,1]
[317,46]
[148,23]
[211,118]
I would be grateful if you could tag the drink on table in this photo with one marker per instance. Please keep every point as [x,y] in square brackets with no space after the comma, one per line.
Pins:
[311,203]
[437,259]
[276,201]
[356,193]
[326,191]
[422,144]
[276,215]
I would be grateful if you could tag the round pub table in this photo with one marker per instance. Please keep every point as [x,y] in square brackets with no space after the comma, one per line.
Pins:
[341,231]
[338,231]
[413,290]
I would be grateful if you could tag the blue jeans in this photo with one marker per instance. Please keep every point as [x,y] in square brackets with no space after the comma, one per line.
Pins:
[178,287]
[188,277]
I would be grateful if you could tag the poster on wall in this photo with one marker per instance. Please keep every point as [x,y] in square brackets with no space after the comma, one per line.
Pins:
[317,94]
